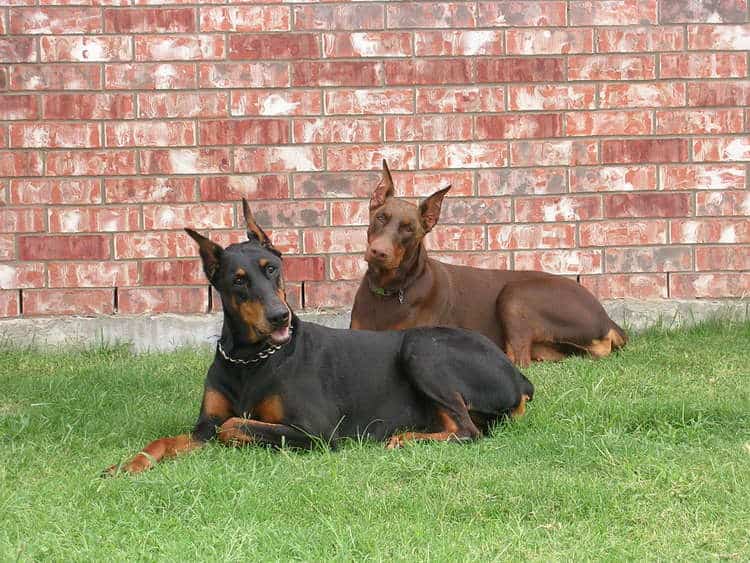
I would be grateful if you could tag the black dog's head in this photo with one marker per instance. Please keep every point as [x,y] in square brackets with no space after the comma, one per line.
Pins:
[248,276]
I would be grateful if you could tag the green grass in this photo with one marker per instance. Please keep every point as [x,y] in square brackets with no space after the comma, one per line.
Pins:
[645,455]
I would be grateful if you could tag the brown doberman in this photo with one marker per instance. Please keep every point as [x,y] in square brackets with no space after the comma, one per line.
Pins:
[530,315]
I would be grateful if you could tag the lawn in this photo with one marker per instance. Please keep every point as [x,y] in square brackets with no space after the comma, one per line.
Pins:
[644,455]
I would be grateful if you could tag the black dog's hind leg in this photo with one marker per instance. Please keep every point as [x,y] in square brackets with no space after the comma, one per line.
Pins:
[240,431]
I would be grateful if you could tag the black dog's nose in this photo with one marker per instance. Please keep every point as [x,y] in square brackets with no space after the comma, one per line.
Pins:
[279,317]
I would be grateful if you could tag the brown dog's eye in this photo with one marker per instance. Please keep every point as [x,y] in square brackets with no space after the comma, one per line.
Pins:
[382,218]
[407,228]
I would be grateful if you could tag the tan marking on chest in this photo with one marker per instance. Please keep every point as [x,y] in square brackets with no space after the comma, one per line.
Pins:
[269,410]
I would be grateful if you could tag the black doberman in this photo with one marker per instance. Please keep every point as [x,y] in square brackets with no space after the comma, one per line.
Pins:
[280,381]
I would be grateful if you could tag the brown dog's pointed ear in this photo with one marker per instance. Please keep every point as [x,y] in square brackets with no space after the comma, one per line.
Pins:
[254,232]
[384,189]
[210,253]
[429,209]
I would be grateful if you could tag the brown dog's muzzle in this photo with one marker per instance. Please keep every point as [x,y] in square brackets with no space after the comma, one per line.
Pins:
[382,254]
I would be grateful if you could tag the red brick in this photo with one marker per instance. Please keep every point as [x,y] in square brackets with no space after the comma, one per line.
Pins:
[90,163]
[612,178]
[642,95]
[560,261]
[140,190]
[232,188]
[9,303]
[427,71]
[337,130]
[476,210]
[244,75]
[93,219]
[715,93]
[290,214]
[173,244]
[136,301]
[463,155]
[644,150]
[719,37]
[458,43]
[512,237]
[699,121]
[552,153]
[388,101]
[648,205]
[90,48]
[470,99]
[179,47]
[56,21]
[7,247]
[431,14]
[512,13]
[724,203]
[552,96]
[17,50]
[330,294]
[287,241]
[84,302]
[622,286]
[54,135]
[274,47]
[370,157]
[722,258]
[367,44]
[18,107]
[172,272]
[325,241]
[149,20]
[149,76]
[725,231]
[725,11]
[648,259]
[23,275]
[428,128]
[425,183]
[275,102]
[92,274]
[549,41]
[640,39]
[520,69]
[278,159]
[452,237]
[728,149]
[703,177]
[44,192]
[484,260]
[611,67]
[244,18]
[613,12]
[521,181]
[518,126]
[244,132]
[347,267]
[339,17]
[690,286]
[558,208]
[304,268]
[88,106]
[17,163]
[194,216]
[339,73]
[351,212]
[60,247]
[622,233]
[703,65]
[588,123]
[185,161]
[21,220]
[149,133]
[55,77]
[183,104]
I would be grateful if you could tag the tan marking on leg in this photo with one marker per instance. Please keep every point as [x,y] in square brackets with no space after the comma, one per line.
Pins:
[156,451]
[232,433]
[269,410]
[520,410]
[216,405]
[543,351]
[450,431]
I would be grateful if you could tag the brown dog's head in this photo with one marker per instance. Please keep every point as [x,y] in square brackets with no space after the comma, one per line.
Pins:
[248,276]
[397,227]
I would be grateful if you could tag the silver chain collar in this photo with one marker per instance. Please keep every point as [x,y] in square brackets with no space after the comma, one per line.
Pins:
[269,350]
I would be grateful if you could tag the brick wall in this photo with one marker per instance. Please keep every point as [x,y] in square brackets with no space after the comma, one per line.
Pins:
[606,140]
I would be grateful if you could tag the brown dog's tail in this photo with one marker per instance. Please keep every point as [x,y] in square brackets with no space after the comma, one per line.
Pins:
[618,336]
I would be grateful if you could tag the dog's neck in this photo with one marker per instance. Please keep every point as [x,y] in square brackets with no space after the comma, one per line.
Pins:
[236,343]
[388,282]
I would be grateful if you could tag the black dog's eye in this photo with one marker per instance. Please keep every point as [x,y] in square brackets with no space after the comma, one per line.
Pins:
[270,270]
[238,280]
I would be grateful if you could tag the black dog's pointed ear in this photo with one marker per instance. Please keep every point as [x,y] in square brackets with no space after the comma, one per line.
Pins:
[210,253]
[254,232]
[384,189]
[429,209]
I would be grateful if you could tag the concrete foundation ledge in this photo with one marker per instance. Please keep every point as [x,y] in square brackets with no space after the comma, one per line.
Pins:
[166,332]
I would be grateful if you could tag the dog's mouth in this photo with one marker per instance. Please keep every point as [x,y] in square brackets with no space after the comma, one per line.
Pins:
[281,335]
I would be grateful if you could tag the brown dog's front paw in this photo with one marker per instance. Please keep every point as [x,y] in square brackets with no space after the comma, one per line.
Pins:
[395,442]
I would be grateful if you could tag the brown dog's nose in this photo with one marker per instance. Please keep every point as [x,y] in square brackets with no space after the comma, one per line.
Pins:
[377,253]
